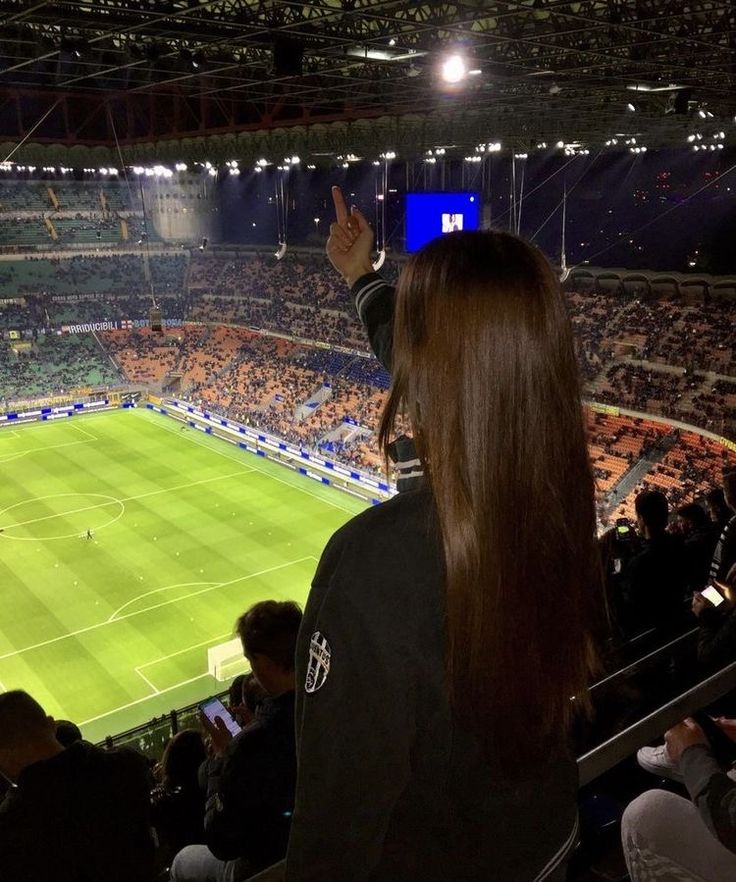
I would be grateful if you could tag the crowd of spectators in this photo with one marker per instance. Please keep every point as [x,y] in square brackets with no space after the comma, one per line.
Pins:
[214,807]
[217,807]
[664,357]
[53,365]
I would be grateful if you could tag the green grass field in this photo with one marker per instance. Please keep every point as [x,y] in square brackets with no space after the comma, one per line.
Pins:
[188,532]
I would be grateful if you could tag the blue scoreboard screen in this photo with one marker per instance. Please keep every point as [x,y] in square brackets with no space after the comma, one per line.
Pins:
[429,215]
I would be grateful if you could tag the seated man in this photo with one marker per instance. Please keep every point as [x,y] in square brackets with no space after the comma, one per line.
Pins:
[723,566]
[74,813]
[251,779]
[696,529]
[667,837]
[653,582]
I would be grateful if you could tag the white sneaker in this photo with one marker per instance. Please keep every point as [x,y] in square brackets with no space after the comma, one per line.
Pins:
[658,761]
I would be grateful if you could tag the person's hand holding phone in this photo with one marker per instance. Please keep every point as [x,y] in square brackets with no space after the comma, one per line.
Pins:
[219,736]
[350,243]
[700,605]
[218,724]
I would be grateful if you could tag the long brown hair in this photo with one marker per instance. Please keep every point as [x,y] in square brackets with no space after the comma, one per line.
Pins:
[484,367]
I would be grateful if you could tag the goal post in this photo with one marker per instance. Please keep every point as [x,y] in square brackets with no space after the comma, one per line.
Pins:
[226,660]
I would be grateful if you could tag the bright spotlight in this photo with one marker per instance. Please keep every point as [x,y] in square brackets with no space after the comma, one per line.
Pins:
[454,69]
[630,107]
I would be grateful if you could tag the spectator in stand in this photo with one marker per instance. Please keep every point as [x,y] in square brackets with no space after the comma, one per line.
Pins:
[653,582]
[434,674]
[716,628]
[246,697]
[720,513]
[251,778]
[696,530]
[67,733]
[670,838]
[723,566]
[177,800]
[74,813]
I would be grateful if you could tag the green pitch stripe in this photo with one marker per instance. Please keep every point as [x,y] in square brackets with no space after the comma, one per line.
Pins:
[188,531]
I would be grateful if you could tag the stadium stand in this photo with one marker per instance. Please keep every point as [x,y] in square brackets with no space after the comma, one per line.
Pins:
[323,398]
[53,365]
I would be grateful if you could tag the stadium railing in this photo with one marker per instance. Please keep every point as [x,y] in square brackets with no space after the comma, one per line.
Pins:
[152,737]
[606,756]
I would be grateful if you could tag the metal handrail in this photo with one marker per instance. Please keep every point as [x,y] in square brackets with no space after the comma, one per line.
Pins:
[639,661]
[600,759]
[595,762]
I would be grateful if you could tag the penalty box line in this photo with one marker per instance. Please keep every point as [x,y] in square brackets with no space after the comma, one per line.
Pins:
[87,437]
[215,587]
[139,668]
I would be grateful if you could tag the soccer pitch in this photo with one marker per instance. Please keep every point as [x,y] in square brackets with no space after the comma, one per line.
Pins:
[187,532]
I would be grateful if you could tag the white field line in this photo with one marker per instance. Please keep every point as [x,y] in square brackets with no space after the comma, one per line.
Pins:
[12,433]
[139,612]
[147,681]
[113,500]
[2,687]
[194,440]
[156,591]
[87,437]
[12,456]
[141,700]
[211,642]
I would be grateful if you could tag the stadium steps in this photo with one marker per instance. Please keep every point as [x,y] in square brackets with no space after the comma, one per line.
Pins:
[631,479]
[309,407]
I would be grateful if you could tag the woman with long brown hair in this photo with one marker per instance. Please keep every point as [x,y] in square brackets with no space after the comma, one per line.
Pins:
[446,642]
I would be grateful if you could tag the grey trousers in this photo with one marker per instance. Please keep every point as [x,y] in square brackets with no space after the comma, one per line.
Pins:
[196,863]
[665,840]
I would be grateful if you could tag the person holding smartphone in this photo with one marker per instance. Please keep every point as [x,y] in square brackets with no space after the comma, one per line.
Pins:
[667,837]
[251,774]
[448,629]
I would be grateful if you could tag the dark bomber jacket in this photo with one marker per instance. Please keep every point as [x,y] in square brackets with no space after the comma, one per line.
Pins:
[389,788]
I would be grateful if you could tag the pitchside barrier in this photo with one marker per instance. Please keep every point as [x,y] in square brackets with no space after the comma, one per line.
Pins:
[14,418]
[310,465]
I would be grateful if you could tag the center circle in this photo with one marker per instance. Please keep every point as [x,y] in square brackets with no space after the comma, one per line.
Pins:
[60,516]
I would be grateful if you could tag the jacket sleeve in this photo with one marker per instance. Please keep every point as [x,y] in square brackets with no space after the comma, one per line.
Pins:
[712,791]
[236,799]
[355,728]
[374,301]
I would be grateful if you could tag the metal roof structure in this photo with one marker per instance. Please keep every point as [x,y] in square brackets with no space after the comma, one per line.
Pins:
[188,78]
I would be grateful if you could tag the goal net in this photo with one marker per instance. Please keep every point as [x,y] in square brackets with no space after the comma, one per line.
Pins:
[226,660]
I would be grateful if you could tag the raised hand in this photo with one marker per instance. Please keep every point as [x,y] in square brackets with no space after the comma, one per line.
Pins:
[350,243]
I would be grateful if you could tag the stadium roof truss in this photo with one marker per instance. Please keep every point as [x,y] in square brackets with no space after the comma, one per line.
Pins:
[189,78]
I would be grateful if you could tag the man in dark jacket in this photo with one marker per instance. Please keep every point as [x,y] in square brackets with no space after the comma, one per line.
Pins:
[724,556]
[74,813]
[251,778]
[699,543]
[653,583]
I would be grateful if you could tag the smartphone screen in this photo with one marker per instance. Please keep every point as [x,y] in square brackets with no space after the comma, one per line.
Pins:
[213,708]
[713,595]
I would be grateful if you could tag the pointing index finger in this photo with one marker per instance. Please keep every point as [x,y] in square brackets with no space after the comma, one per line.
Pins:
[341,209]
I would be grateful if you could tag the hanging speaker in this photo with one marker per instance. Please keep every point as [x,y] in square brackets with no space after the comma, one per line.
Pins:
[288,57]
[679,102]
[156,319]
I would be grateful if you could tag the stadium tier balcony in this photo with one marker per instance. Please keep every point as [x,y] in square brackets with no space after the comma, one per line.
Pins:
[53,364]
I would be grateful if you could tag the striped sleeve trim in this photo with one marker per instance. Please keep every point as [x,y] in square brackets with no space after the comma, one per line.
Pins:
[364,290]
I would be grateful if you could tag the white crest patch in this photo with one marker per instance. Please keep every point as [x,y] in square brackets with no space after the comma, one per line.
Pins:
[318,668]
